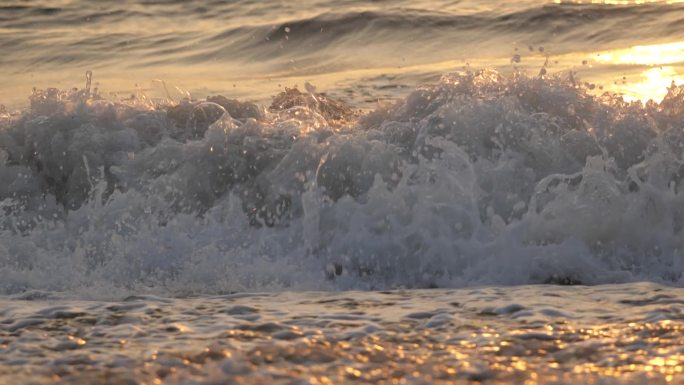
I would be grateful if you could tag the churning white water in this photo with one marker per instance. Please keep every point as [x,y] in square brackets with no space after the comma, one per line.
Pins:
[479,179]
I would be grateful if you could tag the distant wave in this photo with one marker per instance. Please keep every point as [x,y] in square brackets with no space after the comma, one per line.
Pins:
[479,179]
[320,36]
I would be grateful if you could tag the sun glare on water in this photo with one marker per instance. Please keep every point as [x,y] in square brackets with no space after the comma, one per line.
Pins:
[657,65]
[620,2]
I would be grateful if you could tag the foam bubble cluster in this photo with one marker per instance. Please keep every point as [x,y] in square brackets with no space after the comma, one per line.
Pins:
[479,179]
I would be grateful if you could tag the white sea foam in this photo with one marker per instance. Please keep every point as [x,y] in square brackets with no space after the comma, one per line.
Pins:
[479,179]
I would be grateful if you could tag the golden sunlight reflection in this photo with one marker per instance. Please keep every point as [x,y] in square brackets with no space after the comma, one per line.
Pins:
[655,54]
[664,64]
[619,2]
[653,85]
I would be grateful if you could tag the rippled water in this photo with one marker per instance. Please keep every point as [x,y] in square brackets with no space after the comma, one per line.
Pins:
[618,334]
[216,150]
[360,49]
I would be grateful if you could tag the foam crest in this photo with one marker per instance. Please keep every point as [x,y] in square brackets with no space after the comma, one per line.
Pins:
[479,179]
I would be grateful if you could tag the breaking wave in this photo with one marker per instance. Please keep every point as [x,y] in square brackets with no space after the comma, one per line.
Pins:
[479,179]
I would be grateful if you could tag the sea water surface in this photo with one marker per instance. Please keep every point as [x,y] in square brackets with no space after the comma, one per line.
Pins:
[364,50]
[351,192]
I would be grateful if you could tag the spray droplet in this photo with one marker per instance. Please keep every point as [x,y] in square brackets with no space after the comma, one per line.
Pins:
[89,78]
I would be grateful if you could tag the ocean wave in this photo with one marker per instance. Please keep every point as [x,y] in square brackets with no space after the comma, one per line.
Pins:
[479,179]
[245,32]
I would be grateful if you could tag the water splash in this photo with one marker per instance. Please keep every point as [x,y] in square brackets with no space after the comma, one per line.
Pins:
[479,179]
